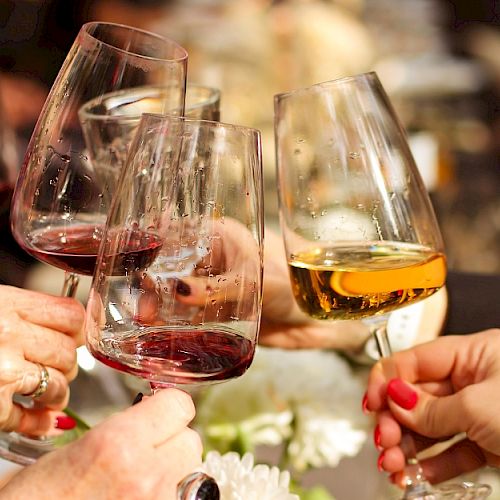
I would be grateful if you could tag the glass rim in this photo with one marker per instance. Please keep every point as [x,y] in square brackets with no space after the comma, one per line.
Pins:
[369,75]
[85,30]
[211,123]
[214,96]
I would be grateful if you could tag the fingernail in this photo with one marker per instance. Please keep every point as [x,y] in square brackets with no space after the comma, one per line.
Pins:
[377,437]
[138,398]
[65,423]
[402,394]
[364,404]
[183,288]
[380,461]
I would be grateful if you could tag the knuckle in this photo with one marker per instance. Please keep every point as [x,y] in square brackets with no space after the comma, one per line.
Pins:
[8,325]
[192,441]
[184,401]
[5,411]
[9,371]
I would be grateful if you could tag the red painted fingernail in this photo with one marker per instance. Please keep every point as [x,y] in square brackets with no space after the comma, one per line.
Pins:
[380,461]
[402,394]
[364,404]
[377,437]
[65,423]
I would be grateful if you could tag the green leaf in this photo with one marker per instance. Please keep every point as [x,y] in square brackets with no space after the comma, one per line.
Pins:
[314,493]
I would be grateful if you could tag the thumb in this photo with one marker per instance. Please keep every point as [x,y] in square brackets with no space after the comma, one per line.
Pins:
[424,413]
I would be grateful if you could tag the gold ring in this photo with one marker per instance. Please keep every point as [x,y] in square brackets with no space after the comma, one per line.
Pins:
[42,385]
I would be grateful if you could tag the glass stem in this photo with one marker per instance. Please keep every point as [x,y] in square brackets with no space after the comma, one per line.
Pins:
[416,486]
[70,286]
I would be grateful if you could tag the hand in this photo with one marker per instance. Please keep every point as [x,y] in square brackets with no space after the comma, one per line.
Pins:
[283,323]
[143,452]
[449,388]
[36,328]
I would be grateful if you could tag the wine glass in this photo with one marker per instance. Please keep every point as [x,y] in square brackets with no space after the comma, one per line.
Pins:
[60,204]
[176,294]
[109,123]
[360,233]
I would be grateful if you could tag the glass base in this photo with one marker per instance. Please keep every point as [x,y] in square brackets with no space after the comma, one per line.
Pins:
[23,450]
[459,491]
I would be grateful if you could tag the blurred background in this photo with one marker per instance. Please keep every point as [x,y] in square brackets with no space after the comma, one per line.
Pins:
[439,60]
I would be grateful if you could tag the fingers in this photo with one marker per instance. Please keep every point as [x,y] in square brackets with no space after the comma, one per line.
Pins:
[35,422]
[57,313]
[39,344]
[460,458]
[183,454]
[155,420]
[425,413]
[27,380]
[347,335]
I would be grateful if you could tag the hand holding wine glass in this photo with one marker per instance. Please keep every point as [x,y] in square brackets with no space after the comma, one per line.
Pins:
[59,204]
[360,234]
[446,392]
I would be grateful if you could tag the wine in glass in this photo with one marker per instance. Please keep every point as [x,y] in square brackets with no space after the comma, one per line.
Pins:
[176,294]
[60,204]
[360,233]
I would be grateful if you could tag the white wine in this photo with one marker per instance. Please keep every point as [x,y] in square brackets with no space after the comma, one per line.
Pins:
[357,281]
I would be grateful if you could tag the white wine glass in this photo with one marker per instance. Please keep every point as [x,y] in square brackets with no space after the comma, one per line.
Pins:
[360,233]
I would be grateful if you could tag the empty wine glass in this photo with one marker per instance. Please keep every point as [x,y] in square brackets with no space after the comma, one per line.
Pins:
[59,204]
[109,123]
[360,233]
[176,294]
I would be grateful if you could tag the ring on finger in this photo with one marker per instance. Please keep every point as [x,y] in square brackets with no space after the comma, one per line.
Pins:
[42,385]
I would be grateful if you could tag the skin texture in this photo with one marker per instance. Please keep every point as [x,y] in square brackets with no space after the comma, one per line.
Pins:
[36,328]
[143,452]
[450,388]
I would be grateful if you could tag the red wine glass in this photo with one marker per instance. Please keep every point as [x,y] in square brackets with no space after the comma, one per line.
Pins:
[60,202]
[176,294]
[360,233]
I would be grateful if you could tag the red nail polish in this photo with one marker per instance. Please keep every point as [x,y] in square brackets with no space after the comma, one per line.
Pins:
[402,394]
[377,437]
[364,404]
[380,461]
[65,423]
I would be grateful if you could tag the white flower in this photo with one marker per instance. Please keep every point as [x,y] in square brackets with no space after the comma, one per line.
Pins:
[311,398]
[238,479]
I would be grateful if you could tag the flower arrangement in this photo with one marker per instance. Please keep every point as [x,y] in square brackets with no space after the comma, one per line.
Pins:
[306,402]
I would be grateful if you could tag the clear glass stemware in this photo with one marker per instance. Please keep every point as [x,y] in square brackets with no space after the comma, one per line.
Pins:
[60,203]
[176,294]
[360,233]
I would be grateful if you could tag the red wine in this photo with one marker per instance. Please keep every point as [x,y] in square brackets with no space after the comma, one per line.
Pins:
[75,249]
[181,356]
